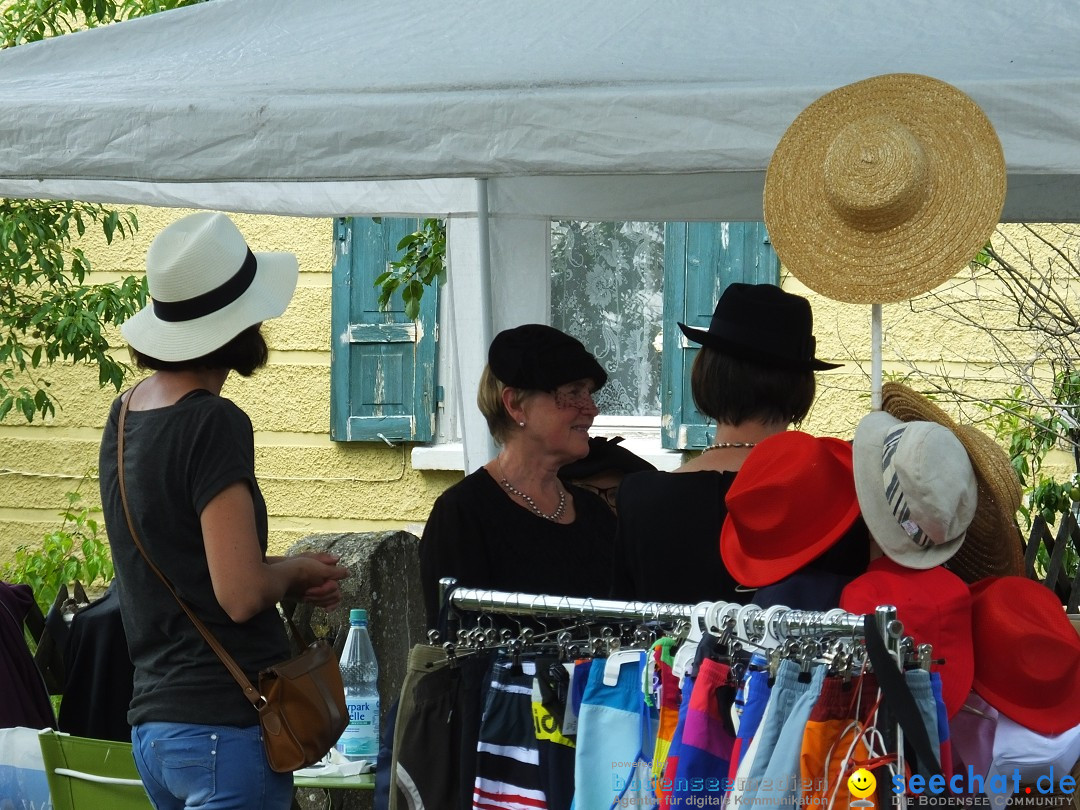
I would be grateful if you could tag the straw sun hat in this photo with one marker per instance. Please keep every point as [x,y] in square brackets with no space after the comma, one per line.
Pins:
[993,545]
[883,189]
[206,287]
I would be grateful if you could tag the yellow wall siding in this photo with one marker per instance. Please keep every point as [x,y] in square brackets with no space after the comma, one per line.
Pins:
[311,484]
[314,485]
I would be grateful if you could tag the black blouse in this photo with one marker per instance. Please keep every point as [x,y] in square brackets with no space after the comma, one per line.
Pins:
[478,535]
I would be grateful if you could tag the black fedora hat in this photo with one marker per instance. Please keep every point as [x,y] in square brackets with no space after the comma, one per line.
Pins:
[761,323]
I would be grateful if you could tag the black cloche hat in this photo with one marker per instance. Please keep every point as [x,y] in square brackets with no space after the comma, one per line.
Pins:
[541,358]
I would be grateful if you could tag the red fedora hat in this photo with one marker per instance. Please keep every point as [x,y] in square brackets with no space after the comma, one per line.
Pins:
[1027,654]
[934,605]
[794,497]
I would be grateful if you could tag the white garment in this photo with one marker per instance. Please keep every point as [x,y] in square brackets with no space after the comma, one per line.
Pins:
[1035,756]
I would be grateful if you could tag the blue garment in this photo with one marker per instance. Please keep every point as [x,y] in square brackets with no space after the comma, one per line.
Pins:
[944,743]
[671,766]
[383,780]
[753,695]
[785,693]
[613,766]
[507,755]
[707,738]
[577,686]
[918,681]
[781,784]
[185,765]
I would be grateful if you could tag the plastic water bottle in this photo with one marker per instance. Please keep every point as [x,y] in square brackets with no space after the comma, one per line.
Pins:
[360,675]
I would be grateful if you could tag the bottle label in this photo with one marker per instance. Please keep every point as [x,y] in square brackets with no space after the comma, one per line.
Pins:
[361,738]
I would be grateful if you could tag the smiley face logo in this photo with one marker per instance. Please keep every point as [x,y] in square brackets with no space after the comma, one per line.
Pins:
[861,783]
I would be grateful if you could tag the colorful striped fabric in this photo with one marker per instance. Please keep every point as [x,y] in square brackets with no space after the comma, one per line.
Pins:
[507,758]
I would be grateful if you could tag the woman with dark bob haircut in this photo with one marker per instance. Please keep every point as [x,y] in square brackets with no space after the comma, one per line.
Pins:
[189,473]
[513,525]
[754,375]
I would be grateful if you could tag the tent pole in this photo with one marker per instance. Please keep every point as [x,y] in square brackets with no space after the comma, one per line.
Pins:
[483,236]
[875,357]
[478,446]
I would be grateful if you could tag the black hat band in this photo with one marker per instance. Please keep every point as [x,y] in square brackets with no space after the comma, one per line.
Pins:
[211,301]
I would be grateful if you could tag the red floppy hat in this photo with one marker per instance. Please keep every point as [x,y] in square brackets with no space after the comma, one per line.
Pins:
[793,498]
[1027,654]
[934,605]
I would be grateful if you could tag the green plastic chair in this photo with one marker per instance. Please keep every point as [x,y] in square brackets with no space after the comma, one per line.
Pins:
[86,774]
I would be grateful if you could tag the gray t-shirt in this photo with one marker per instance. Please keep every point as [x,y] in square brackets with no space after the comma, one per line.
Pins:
[176,459]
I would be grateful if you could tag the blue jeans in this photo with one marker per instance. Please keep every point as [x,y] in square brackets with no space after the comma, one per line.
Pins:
[184,765]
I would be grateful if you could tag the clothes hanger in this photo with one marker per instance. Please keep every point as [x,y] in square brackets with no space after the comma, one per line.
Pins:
[684,656]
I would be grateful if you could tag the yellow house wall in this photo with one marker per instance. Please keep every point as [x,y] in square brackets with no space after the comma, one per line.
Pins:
[310,483]
[314,485]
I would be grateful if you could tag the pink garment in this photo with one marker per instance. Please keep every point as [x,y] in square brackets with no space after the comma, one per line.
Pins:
[971,732]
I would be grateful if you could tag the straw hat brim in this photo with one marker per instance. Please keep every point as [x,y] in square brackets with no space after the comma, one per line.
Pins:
[993,545]
[883,189]
[267,297]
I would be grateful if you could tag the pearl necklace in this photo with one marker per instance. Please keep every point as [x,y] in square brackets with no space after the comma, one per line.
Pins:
[724,445]
[553,517]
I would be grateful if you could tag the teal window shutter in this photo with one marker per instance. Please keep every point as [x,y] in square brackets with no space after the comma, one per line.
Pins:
[382,364]
[700,260]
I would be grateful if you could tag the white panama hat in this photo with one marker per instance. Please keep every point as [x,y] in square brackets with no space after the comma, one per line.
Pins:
[916,488]
[206,287]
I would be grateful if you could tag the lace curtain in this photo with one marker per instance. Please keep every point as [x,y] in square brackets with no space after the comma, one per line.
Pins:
[607,291]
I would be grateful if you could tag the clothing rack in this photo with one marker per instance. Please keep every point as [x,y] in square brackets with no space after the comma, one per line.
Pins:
[751,621]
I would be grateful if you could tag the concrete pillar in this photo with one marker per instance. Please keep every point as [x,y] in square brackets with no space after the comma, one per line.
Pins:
[385,581]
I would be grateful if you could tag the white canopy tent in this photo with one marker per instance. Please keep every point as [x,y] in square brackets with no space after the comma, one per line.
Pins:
[501,114]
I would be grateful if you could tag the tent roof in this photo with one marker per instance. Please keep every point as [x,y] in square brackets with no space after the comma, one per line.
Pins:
[612,108]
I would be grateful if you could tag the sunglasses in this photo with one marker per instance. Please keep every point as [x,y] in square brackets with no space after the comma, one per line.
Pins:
[574,396]
[607,493]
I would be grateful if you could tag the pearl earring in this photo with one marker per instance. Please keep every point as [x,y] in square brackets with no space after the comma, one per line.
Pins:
[521,424]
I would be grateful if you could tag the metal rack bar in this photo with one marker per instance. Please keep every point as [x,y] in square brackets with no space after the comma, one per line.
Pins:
[750,621]
[786,622]
[528,604]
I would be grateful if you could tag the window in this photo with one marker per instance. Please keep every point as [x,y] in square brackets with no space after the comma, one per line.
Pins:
[607,287]
[619,287]
[382,364]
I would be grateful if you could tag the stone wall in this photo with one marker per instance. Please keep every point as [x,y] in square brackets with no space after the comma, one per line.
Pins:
[385,581]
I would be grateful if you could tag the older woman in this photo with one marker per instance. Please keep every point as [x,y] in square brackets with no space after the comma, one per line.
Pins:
[513,525]
[754,375]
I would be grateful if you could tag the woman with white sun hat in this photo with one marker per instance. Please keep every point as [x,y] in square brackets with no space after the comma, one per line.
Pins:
[193,500]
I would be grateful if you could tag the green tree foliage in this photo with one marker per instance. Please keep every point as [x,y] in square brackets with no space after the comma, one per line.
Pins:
[422,264]
[25,21]
[47,311]
[73,551]
[1022,296]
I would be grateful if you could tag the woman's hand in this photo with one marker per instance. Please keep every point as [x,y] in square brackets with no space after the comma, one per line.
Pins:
[313,577]
[326,595]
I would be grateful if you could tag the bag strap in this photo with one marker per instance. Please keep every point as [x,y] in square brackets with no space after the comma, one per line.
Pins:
[250,692]
[899,700]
